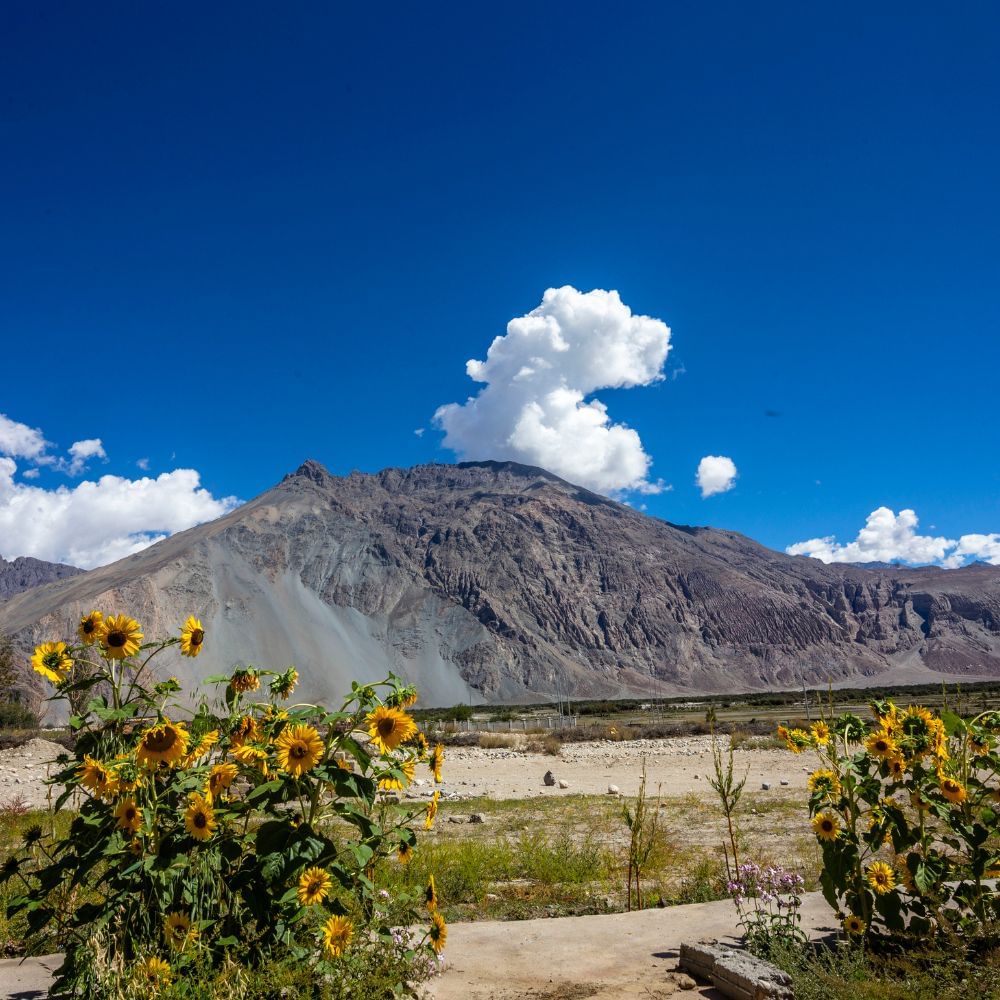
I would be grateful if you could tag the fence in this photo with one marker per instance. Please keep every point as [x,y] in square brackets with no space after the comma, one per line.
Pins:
[509,725]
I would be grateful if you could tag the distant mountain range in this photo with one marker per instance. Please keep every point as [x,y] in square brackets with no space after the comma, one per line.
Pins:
[24,573]
[500,582]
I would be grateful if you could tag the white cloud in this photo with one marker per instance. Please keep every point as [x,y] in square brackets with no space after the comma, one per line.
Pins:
[20,440]
[891,537]
[143,464]
[533,407]
[98,522]
[419,432]
[716,474]
[80,452]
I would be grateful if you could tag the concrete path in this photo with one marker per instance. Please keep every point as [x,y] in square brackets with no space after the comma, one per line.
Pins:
[565,958]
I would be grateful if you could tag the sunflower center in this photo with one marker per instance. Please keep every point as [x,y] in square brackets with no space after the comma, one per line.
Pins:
[200,820]
[160,740]
[88,627]
[197,636]
[53,660]
[129,815]
[298,751]
[116,639]
[386,727]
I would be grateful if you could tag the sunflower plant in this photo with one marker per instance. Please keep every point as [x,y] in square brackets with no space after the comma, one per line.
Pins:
[906,810]
[239,834]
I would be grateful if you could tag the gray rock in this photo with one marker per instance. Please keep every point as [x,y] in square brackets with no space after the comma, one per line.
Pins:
[477,818]
[548,778]
[563,783]
[784,782]
[766,785]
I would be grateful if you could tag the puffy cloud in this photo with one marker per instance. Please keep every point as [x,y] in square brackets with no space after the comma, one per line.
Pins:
[533,407]
[20,440]
[98,522]
[716,474]
[80,452]
[891,537]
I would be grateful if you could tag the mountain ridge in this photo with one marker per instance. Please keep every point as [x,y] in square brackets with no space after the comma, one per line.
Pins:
[502,582]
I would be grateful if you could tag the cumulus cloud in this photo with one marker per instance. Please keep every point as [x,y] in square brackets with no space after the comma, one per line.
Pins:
[98,522]
[20,440]
[533,407]
[716,474]
[80,452]
[891,537]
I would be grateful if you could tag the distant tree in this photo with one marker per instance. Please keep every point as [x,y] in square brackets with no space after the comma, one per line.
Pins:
[8,670]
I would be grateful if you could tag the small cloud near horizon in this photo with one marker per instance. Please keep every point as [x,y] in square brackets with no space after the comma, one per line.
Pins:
[716,474]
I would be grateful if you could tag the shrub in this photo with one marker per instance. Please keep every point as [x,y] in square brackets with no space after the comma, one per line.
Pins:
[906,813]
[15,715]
[205,851]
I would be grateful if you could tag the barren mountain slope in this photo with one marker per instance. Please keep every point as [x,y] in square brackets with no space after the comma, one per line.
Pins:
[23,573]
[503,582]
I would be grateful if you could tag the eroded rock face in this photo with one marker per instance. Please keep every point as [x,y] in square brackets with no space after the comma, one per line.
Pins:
[500,581]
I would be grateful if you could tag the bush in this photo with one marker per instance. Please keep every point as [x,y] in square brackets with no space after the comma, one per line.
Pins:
[213,853]
[906,813]
[14,715]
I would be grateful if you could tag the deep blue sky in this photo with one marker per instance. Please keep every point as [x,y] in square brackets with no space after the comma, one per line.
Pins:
[239,235]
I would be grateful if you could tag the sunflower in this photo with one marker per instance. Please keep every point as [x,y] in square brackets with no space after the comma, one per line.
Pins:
[154,973]
[437,759]
[220,778]
[404,852]
[314,886]
[917,727]
[120,636]
[247,730]
[164,743]
[178,931]
[438,932]
[396,784]
[192,637]
[854,925]
[820,733]
[252,757]
[882,746]
[199,817]
[51,660]
[430,894]
[826,826]
[953,791]
[284,684]
[897,767]
[128,815]
[299,749]
[825,783]
[244,680]
[345,765]
[432,808]
[388,727]
[204,744]
[797,740]
[89,627]
[97,777]
[880,877]
[337,934]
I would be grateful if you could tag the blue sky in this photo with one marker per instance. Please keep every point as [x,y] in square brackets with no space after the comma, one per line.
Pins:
[238,236]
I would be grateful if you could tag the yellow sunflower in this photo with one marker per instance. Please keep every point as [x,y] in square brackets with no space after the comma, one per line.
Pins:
[880,877]
[128,816]
[220,778]
[826,826]
[820,733]
[166,743]
[89,627]
[314,886]
[394,784]
[881,745]
[438,932]
[854,925]
[204,744]
[199,818]
[247,730]
[154,973]
[404,852]
[797,740]
[120,636]
[897,767]
[337,934]
[97,777]
[437,759]
[432,809]
[51,660]
[388,727]
[178,931]
[192,637]
[430,894]
[953,791]
[284,684]
[824,782]
[244,680]
[299,749]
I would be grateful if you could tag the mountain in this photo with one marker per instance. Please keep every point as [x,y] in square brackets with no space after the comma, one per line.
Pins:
[501,582]
[23,573]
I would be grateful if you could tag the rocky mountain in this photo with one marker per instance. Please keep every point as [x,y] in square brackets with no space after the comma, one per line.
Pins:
[23,573]
[500,582]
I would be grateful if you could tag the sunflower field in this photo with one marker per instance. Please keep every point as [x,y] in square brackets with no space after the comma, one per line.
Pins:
[211,843]
[907,812]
